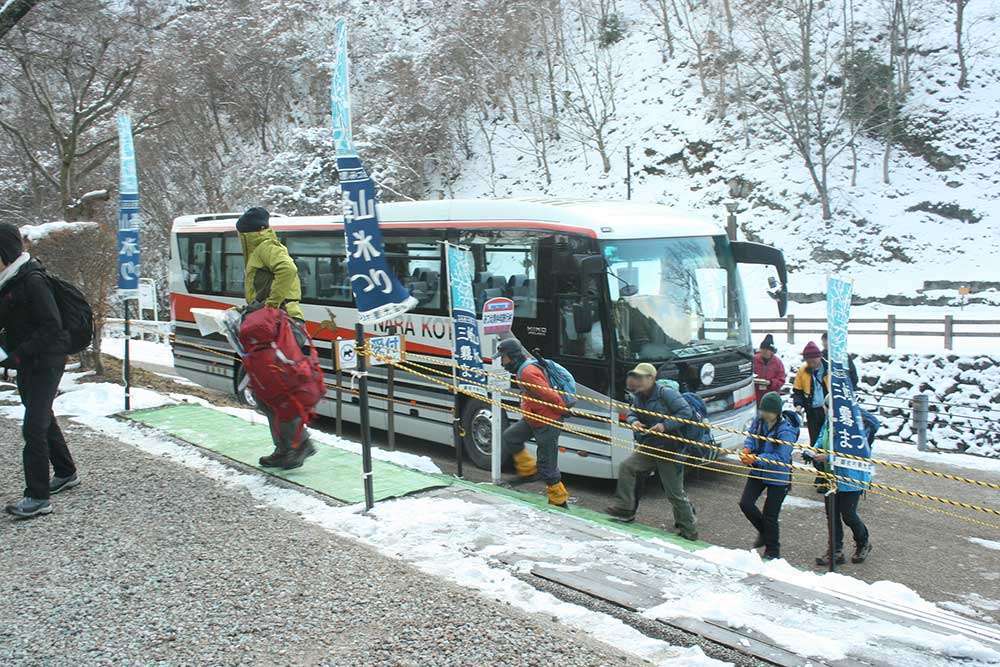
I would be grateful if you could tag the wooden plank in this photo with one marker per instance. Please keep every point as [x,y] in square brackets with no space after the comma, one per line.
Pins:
[741,642]
[597,585]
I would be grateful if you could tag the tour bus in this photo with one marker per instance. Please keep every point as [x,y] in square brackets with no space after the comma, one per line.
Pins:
[597,286]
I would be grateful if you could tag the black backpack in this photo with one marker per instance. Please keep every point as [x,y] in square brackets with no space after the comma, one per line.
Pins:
[77,315]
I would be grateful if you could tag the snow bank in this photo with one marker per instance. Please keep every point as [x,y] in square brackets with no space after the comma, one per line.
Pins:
[150,352]
[35,233]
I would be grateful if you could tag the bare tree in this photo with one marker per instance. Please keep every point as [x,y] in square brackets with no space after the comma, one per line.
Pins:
[663,12]
[13,11]
[963,76]
[796,95]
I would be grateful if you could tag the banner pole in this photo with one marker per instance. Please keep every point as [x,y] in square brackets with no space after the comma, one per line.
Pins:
[366,432]
[126,362]
[456,416]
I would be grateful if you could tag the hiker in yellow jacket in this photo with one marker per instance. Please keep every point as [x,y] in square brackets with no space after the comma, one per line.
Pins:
[272,279]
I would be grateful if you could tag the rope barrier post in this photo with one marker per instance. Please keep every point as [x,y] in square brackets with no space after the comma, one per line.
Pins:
[390,404]
[949,331]
[366,431]
[496,430]
[921,411]
[790,323]
[340,403]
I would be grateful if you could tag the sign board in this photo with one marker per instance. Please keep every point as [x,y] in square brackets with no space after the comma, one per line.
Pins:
[347,355]
[386,348]
[498,315]
[147,295]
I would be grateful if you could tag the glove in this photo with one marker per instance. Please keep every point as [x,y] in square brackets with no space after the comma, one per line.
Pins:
[747,458]
[3,355]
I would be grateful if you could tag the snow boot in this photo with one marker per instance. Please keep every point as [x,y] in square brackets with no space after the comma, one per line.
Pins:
[759,542]
[824,560]
[861,553]
[57,484]
[525,464]
[558,495]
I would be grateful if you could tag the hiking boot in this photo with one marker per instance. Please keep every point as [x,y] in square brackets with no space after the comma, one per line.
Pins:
[29,507]
[838,558]
[759,542]
[558,495]
[275,460]
[618,514]
[297,457]
[771,556]
[525,464]
[690,535]
[861,553]
[57,484]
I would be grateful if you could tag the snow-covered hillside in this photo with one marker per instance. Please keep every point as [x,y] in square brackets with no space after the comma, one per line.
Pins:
[937,219]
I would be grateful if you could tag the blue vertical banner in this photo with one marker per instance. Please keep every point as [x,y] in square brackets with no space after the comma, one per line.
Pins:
[128,213]
[845,421]
[378,294]
[468,356]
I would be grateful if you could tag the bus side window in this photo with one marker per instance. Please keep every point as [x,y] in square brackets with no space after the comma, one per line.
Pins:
[322,266]
[232,265]
[510,271]
[199,273]
[417,262]
[581,332]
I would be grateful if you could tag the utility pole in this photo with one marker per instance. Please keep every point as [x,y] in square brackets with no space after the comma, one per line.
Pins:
[628,173]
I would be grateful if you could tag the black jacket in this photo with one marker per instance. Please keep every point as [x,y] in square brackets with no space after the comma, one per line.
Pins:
[852,370]
[30,319]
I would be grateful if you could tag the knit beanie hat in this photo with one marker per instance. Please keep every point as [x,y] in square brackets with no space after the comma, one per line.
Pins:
[254,220]
[11,243]
[811,351]
[770,402]
[768,343]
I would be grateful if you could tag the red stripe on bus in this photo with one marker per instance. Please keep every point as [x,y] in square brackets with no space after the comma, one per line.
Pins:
[743,401]
[183,303]
[419,224]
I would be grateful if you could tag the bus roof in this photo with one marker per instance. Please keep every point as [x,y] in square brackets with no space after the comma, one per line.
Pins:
[596,219]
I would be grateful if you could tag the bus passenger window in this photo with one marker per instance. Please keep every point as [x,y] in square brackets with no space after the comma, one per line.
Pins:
[581,332]
[417,263]
[510,272]
[320,262]
[196,264]
[232,263]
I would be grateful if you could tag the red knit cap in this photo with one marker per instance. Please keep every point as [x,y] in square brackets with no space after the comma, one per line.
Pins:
[811,351]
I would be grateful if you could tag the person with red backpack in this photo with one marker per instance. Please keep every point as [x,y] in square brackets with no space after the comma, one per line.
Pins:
[35,344]
[285,379]
[542,405]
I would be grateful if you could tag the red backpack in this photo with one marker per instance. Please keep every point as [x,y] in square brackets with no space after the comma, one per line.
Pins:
[281,375]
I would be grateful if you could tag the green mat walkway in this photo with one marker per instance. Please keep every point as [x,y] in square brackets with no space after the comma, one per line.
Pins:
[331,471]
[337,473]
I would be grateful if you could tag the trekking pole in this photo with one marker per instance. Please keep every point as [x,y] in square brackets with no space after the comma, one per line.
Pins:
[366,431]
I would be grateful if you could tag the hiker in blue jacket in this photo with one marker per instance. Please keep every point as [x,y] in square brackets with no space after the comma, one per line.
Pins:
[770,470]
[852,482]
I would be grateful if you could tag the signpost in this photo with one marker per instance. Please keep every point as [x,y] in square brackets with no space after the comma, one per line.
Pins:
[498,315]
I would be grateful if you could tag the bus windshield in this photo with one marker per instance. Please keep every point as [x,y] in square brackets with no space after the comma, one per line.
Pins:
[687,297]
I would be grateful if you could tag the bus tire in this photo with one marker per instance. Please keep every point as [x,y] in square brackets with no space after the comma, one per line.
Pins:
[244,396]
[477,425]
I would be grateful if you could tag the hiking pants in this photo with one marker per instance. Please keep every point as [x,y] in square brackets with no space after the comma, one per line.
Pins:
[847,512]
[672,479]
[765,522]
[43,440]
[547,447]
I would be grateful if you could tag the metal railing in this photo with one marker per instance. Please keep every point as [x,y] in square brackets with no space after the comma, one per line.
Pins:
[948,327]
[159,330]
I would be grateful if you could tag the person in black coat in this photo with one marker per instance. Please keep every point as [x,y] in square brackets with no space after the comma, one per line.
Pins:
[34,344]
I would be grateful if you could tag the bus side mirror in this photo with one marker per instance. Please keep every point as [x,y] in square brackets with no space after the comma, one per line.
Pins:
[746,252]
[583,320]
[591,265]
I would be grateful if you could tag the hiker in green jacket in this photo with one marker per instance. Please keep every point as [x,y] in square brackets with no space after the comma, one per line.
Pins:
[272,279]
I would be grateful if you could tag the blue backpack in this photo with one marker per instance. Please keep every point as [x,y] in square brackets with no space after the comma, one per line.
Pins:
[699,433]
[560,379]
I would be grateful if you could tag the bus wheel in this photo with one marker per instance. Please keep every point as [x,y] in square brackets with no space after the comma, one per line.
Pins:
[477,422]
[244,395]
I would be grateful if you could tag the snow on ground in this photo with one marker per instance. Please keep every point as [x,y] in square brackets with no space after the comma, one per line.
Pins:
[460,540]
[989,544]
[891,450]
[150,352]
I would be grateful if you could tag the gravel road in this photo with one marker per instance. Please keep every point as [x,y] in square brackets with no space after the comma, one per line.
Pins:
[150,562]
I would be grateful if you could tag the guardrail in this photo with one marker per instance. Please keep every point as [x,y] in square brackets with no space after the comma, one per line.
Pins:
[158,329]
[948,327]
